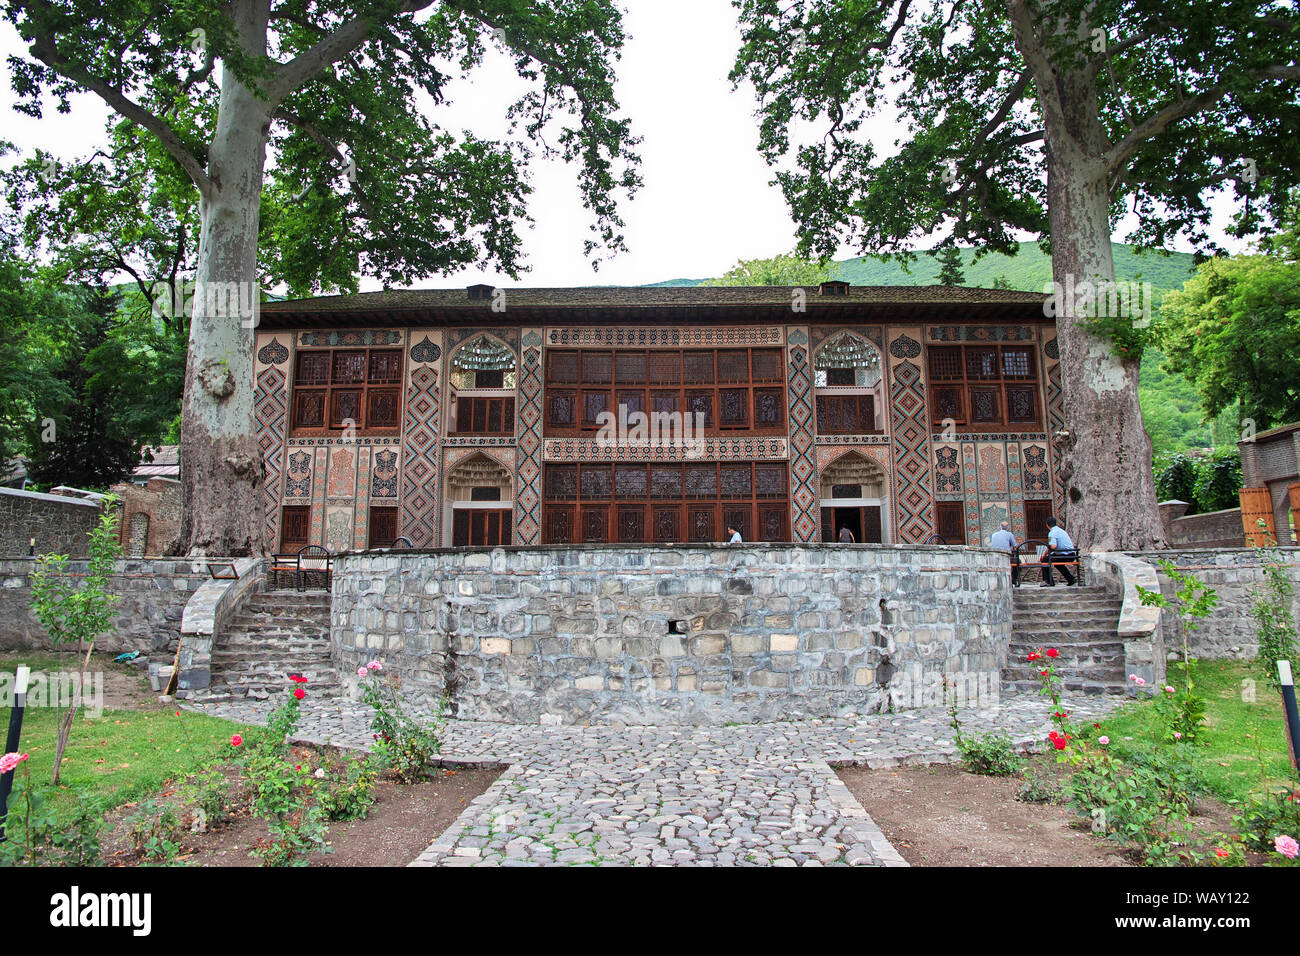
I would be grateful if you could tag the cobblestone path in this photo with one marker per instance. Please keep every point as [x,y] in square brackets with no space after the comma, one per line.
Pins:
[754,794]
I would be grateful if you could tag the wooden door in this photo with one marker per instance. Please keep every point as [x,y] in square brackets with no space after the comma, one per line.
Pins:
[1256,507]
[295,527]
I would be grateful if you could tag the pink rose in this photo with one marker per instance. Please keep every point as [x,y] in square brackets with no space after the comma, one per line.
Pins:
[1177,735]
[9,761]
[361,672]
[375,666]
[1103,740]
[1168,689]
[1287,847]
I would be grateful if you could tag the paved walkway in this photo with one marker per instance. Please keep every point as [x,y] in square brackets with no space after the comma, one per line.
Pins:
[757,794]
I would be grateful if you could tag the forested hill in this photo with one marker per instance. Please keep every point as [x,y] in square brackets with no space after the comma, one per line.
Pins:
[1029,270]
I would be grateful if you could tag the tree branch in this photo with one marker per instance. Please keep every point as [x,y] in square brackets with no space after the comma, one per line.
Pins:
[320,139]
[330,49]
[45,50]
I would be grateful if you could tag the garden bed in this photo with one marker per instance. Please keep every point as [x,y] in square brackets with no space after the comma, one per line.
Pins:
[401,824]
[943,815]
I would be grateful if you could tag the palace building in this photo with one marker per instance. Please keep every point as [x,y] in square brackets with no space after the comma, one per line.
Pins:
[485,417]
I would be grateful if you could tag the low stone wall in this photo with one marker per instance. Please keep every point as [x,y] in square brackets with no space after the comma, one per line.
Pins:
[1139,625]
[153,594]
[1213,529]
[1236,574]
[60,525]
[568,635]
[206,617]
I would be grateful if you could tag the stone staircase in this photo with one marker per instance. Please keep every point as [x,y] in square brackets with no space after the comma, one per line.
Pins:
[1081,623]
[277,633]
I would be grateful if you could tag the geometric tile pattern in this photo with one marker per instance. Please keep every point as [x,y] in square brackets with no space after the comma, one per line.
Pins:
[947,469]
[913,511]
[970,469]
[1016,491]
[705,449]
[804,513]
[697,335]
[270,404]
[981,333]
[419,509]
[528,497]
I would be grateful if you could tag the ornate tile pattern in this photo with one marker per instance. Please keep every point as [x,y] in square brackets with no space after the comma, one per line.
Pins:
[317,535]
[1038,482]
[361,521]
[993,469]
[528,494]
[913,511]
[297,486]
[873,333]
[981,333]
[351,337]
[674,337]
[1016,491]
[383,476]
[270,414]
[970,478]
[710,449]
[420,475]
[804,513]
[853,440]
[947,469]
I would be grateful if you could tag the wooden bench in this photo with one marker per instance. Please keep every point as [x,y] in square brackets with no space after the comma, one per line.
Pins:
[303,564]
[1032,557]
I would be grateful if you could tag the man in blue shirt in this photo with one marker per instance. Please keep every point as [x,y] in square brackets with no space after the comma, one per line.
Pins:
[1004,540]
[1060,549]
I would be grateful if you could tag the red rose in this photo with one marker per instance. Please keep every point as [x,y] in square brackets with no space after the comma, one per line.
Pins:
[1222,854]
[299,693]
[1033,656]
[1060,742]
[1052,652]
[297,678]
[236,740]
[1045,673]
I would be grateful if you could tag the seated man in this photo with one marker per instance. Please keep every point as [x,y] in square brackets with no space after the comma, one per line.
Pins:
[1004,540]
[1060,549]
[735,535]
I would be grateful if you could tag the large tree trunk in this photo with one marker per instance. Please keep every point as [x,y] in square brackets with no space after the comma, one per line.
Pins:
[1106,452]
[221,463]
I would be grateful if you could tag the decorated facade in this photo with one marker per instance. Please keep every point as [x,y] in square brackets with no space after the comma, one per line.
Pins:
[600,415]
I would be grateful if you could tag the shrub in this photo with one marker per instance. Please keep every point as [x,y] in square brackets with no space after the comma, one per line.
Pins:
[1274,623]
[990,755]
[1218,480]
[31,835]
[155,832]
[404,746]
[350,790]
[1266,816]
[1176,478]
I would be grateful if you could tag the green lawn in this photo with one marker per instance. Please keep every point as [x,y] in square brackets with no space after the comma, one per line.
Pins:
[1245,746]
[120,756]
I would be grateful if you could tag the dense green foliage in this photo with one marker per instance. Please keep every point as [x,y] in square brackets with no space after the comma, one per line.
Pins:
[779,270]
[1234,330]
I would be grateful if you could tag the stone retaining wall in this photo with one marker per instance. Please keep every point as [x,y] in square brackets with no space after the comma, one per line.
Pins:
[1237,575]
[152,593]
[566,635]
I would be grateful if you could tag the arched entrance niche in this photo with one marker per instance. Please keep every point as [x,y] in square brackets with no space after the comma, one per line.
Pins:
[854,494]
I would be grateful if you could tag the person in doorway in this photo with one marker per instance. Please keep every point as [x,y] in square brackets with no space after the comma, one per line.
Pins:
[846,536]
[735,535]
[1004,540]
[1060,550]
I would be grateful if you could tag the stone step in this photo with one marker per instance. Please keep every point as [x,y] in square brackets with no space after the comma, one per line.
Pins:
[244,621]
[1091,622]
[1078,685]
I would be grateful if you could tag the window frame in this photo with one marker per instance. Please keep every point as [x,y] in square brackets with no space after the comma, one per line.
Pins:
[330,391]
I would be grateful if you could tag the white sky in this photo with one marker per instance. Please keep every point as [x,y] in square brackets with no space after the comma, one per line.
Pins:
[706,202]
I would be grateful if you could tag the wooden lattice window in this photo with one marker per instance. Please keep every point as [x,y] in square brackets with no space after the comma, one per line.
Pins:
[295,527]
[383,527]
[664,502]
[734,390]
[984,386]
[336,389]
[476,415]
